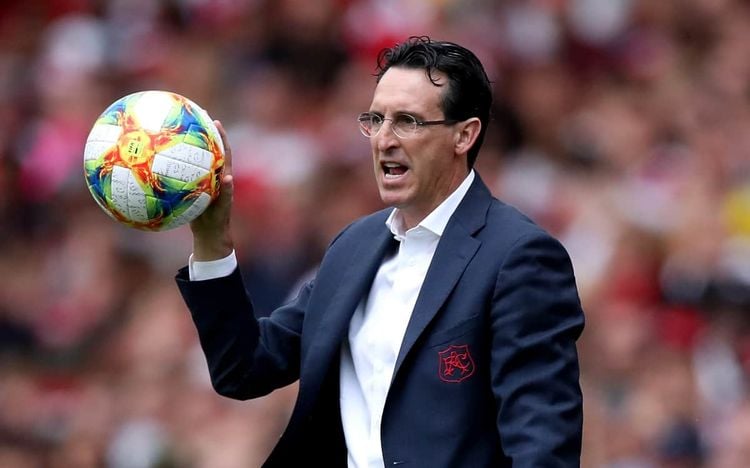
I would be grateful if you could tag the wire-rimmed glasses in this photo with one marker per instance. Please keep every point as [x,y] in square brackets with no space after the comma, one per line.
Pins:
[402,125]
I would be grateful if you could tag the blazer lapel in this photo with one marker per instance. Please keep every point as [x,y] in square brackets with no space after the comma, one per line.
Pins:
[355,281]
[455,250]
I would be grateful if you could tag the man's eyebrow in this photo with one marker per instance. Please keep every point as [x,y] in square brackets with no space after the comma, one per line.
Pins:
[415,114]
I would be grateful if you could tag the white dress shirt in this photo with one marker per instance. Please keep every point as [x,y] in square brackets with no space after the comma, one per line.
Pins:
[377,327]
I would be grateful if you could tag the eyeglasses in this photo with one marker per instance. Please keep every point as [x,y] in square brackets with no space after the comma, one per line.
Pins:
[402,125]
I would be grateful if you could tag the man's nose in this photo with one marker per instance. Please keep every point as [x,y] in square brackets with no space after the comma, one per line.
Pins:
[386,138]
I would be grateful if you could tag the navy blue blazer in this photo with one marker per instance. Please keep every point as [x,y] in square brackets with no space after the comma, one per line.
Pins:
[487,374]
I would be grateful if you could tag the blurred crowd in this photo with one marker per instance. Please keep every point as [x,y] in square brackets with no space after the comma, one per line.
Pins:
[621,126]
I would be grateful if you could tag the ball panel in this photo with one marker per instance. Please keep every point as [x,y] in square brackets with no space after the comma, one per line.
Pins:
[208,124]
[196,135]
[214,132]
[176,169]
[183,119]
[152,108]
[98,183]
[137,209]
[96,149]
[103,205]
[198,206]
[118,197]
[155,207]
[189,154]
[113,115]
[103,132]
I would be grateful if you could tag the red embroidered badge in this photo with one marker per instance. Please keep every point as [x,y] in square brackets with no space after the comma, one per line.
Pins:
[456,364]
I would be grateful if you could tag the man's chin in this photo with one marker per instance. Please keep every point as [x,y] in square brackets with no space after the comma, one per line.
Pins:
[393,198]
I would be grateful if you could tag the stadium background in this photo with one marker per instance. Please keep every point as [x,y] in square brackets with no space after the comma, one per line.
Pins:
[620,125]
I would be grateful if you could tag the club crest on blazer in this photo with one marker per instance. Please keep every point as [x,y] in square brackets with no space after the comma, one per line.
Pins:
[456,364]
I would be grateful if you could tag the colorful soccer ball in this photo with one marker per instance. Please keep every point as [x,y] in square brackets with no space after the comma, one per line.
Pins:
[153,160]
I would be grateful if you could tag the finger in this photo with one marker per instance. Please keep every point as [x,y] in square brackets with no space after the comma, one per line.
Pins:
[227,190]
[227,148]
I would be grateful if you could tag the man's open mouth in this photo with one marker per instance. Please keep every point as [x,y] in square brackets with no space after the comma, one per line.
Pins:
[392,169]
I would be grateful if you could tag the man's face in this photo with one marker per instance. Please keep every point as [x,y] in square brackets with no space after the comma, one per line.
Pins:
[417,173]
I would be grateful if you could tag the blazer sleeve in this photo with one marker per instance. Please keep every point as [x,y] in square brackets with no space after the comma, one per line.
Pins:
[536,320]
[247,357]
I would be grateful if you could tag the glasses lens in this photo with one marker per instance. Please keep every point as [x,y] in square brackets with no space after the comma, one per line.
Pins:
[404,125]
[369,124]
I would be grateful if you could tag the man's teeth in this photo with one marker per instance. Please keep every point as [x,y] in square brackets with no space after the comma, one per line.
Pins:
[393,169]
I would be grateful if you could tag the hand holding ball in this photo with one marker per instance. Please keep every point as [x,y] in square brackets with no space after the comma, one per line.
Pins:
[154,160]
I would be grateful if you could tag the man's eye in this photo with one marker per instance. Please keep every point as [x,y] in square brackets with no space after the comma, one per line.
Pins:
[404,119]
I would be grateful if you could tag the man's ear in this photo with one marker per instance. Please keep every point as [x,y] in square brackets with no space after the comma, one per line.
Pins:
[467,133]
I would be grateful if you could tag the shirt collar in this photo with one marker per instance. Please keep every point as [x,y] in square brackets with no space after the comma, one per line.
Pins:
[436,221]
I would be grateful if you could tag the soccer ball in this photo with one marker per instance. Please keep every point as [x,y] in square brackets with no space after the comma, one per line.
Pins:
[153,160]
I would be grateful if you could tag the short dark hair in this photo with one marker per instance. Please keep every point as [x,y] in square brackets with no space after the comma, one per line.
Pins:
[469,92]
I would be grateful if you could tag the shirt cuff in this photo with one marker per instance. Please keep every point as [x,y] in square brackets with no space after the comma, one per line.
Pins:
[201,271]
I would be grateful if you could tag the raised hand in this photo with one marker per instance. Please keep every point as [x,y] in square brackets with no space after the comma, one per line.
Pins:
[212,238]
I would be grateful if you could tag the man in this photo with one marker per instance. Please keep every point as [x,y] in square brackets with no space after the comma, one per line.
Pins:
[440,333]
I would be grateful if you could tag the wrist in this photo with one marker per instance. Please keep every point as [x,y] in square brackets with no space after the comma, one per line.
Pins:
[212,248]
